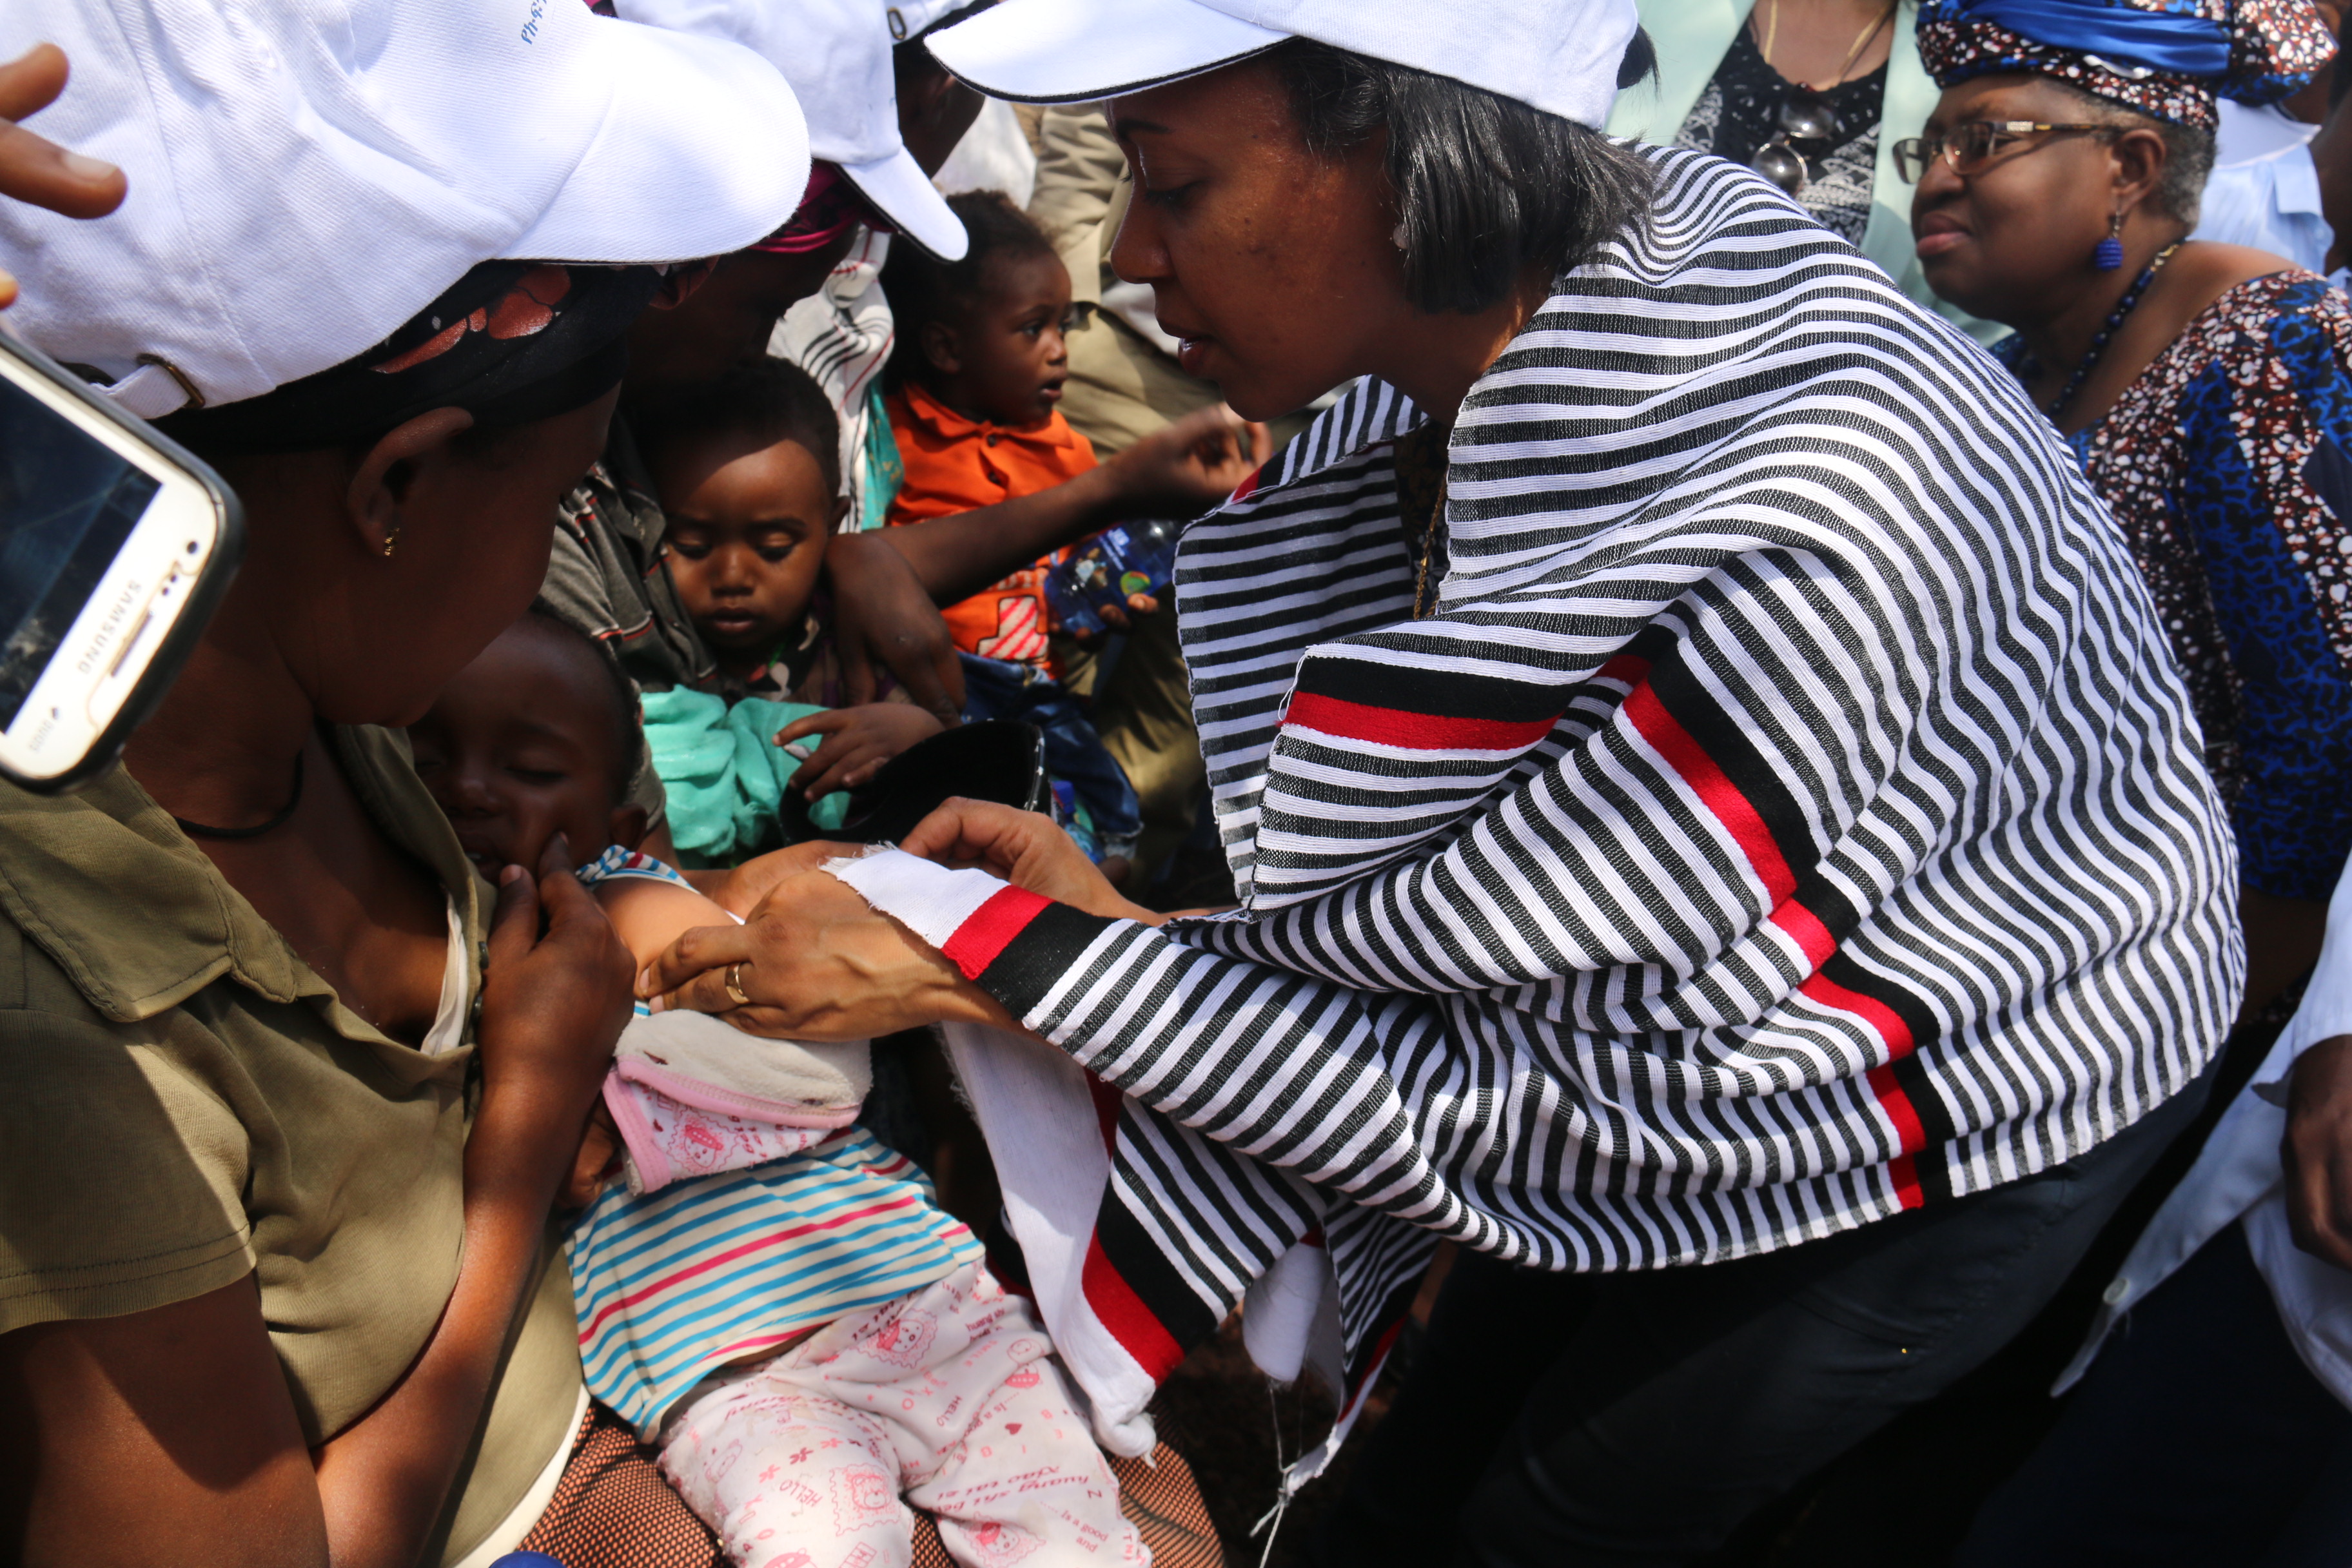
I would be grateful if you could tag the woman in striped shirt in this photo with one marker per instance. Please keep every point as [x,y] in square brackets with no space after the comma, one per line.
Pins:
[1705,782]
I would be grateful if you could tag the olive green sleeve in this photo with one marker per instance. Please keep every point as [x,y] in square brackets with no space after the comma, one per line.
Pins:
[121,1182]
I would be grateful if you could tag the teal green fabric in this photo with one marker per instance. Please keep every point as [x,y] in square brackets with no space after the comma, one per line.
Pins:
[1691,37]
[725,773]
[885,471]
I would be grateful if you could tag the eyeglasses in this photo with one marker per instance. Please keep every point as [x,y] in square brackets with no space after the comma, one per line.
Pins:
[1969,146]
[1807,127]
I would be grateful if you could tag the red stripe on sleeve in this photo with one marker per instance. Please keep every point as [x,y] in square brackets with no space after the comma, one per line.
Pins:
[1869,1009]
[1910,1135]
[1348,720]
[1910,1132]
[1107,1097]
[1804,928]
[1122,1311]
[989,929]
[1904,1172]
[1714,788]
[1373,1364]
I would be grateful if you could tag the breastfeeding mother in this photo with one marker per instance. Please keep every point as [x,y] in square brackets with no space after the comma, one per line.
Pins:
[1705,783]
[277,1157]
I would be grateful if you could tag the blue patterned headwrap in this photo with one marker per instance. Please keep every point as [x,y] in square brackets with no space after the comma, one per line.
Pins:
[2166,59]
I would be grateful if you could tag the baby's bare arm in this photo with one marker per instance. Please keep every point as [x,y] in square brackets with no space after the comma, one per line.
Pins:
[651,915]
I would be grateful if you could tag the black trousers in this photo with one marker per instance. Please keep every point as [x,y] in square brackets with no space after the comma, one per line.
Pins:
[1556,1420]
[2197,1439]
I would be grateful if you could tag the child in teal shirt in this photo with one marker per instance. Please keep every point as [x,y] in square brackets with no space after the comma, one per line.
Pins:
[747,471]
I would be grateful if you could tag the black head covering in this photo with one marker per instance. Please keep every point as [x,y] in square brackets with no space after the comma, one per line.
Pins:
[510,342]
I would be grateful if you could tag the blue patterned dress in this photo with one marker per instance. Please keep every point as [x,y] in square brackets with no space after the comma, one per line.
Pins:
[2226,464]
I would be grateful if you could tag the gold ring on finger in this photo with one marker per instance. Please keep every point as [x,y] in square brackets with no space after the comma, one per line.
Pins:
[735,993]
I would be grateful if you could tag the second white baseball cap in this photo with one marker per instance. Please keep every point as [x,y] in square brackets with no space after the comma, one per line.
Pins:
[306,175]
[836,55]
[1559,55]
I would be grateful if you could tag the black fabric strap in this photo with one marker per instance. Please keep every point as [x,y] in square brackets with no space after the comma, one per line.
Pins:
[511,341]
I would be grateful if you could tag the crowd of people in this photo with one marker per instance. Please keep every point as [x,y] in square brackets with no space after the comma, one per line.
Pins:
[1724,828]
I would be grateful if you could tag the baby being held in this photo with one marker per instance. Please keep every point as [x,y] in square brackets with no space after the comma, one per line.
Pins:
[771,1296]
[539,736]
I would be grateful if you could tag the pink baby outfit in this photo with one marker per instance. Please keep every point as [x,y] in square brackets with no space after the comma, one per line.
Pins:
[946,1398]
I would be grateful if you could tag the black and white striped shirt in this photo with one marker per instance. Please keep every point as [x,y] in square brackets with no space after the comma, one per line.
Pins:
[1789,816]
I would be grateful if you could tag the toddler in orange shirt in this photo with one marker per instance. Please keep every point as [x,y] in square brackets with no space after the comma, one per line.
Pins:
[975,377]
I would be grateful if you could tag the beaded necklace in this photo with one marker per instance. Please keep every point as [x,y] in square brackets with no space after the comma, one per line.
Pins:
[2030,368]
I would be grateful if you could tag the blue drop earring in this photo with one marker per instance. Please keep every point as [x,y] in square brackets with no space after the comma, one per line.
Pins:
[2109,255]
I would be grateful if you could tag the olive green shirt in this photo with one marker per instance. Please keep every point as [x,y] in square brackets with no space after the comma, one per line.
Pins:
[186,1103]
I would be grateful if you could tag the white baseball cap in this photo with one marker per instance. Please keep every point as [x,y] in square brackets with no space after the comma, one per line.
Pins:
[307,175]
[913,18]
[1559,55]
[836,55]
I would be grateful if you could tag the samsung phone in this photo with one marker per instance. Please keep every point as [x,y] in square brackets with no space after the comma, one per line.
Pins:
[115,546]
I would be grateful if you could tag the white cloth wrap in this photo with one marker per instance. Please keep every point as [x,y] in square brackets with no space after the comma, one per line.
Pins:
[708,1063]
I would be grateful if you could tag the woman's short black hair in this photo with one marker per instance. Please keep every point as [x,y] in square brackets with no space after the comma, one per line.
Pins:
[773,401]
[1486,185]
[922,289]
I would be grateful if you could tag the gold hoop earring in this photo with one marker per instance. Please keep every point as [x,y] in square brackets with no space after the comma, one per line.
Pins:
[392,541]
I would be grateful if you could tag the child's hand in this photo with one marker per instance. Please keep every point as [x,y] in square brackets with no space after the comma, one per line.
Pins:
[857,741]
[1117,619]
[1191,466]
[2317,1151]
[881,616]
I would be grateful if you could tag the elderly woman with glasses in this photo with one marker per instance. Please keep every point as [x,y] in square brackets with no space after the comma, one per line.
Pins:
[2201,386]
